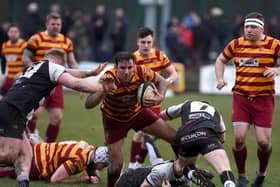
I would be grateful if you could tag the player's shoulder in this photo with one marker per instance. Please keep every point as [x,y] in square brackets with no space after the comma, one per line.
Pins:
[64,37]
[37,36]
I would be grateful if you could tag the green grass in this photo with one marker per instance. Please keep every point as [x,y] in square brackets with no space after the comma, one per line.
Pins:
[81,124]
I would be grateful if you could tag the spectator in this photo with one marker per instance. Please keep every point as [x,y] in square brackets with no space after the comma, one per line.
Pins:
[32,22]
[99,28]
[118,33]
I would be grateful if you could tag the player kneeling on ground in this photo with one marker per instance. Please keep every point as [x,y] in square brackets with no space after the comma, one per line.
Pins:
[202,132]
[58,166]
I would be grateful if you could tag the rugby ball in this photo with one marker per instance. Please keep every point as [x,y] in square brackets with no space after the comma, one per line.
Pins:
[145,90]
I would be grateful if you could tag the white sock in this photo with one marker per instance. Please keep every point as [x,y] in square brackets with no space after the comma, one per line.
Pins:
[154,159]
[229,184]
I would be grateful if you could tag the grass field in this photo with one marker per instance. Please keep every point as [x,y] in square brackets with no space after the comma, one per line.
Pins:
[81,124]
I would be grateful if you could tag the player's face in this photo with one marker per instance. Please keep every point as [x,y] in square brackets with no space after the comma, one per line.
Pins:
[125,70]
[253,33]
[145,45]
[53,27]
[13,34]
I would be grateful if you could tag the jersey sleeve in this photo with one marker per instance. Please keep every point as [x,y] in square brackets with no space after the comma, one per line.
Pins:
[55,71]
[174,111]
[32,43]
[221,126]
[228,51]
[73,166]
[155,177]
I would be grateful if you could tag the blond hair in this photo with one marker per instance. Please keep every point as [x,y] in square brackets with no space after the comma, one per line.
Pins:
[53,15]
[55,52]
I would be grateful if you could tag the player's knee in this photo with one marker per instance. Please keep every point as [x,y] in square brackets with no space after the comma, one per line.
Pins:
[55,119]
[115,167]
[263,146]
[227,176]
[239,144]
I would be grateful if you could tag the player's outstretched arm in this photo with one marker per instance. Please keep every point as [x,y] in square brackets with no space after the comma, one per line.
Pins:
[78,84]
[83,74]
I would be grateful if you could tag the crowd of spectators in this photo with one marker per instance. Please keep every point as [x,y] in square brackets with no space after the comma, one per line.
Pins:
[193,39]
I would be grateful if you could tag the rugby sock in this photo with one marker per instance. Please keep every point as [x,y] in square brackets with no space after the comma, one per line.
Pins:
[153,153]
[32,125]
[112,178]
[8,173]
[142,155]
[52,132]
[227,178]
[23,181]
[240,157]
[263,160]
[134,150]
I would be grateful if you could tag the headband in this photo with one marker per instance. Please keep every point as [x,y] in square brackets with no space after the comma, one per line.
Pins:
[254,21]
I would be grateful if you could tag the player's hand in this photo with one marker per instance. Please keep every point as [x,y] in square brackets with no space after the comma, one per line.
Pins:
[18,75]
[271,72]
[165,183]
[108,84]
[152,101]
[82,95]
[98,69]
[94,179]
[221,84]
[84,178]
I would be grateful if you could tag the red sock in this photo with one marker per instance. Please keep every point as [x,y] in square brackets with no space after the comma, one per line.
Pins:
[240,157]
[112,178]
[263,159]
[52,133]
[142,155]
[134,150]
[8,173]
[32,125]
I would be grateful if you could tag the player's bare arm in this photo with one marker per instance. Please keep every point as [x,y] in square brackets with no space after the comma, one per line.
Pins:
[108,85]
[83,74]
[159,92]
[61,175]
[271,72]
[27,58]
[82,85]
[172,74]
[220,69]
[71,61]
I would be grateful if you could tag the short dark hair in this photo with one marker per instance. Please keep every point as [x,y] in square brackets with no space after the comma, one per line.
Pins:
[256,15]
[145,31]
[13,25]
[121,56]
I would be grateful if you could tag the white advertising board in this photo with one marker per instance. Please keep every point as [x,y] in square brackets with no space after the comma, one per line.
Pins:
[208,82]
